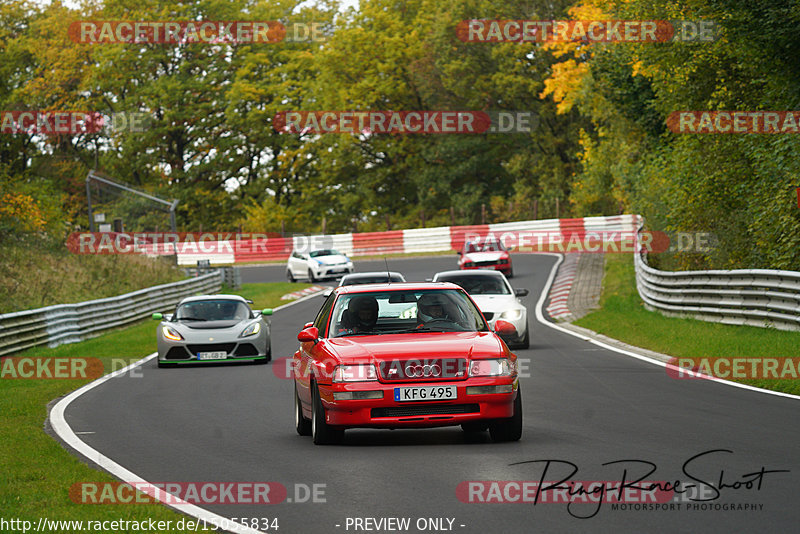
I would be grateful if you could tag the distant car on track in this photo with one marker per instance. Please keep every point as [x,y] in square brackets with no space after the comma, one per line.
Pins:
[489,254]
[375,277]
[213,329]
[408,355]
[317,265]
[496,299]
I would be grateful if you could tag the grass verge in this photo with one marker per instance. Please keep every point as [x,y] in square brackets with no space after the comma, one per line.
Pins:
[33,276]
[622,316]
[36,471]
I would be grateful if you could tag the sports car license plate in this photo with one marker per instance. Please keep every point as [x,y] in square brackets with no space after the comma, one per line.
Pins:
[216,355]
[426,393]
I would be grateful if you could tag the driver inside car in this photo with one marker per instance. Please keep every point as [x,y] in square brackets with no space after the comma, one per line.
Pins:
[433,308]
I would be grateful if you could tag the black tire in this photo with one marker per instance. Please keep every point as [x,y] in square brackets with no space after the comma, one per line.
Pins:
[311,276]
[290,277]
[510,273]
[509,429]
[301,424]
[321,432]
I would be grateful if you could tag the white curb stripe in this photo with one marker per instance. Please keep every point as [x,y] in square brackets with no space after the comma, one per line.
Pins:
[62,429]
[540,318]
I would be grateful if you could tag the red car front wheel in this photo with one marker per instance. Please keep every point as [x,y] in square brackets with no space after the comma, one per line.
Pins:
[321,432]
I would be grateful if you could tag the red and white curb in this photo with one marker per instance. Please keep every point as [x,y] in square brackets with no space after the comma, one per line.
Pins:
[302,293]
[559,293]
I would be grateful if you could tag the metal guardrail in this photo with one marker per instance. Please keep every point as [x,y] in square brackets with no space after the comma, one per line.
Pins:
[69,323]
[758,297]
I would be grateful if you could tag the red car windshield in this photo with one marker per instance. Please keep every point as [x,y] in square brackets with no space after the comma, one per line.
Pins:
[394,312]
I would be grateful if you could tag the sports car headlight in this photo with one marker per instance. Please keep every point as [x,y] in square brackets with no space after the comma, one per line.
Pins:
[500,367]
[251,330]
[355,373]
[511,314]
[171,333]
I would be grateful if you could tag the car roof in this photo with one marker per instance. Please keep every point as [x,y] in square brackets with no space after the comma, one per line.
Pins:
[471,273]
[214,297]
[395,286]
[353,276]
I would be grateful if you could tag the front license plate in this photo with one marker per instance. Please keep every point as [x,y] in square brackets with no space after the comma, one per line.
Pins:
[216,355]
[426,393]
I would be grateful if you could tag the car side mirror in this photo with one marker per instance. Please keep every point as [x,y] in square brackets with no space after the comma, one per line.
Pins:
[158,316]
[266,311]
[308,325]
[504,328]
[521,292]
[308,334]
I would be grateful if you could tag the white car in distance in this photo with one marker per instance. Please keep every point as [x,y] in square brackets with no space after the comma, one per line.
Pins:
[317,265]
[495,298]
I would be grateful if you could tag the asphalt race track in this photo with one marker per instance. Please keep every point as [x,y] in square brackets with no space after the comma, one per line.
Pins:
[582,404]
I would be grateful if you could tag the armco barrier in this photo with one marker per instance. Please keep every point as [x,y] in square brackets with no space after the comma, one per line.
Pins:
[69,323]
[757,297]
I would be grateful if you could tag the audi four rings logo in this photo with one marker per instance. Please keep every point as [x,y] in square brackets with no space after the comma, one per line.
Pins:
[418,371]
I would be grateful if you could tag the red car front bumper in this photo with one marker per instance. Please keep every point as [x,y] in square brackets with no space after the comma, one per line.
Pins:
[388,413]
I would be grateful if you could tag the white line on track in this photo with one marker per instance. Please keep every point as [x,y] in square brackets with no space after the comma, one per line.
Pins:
[62,429]
[540,317]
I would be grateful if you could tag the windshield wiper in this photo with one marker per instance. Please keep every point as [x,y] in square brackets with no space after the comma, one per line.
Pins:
[192,319]
[345,334]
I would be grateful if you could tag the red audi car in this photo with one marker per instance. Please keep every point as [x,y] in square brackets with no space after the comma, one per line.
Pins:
[491,254]
[403,356]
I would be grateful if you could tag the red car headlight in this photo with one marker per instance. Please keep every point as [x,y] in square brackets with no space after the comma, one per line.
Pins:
[355,373]
[499,367]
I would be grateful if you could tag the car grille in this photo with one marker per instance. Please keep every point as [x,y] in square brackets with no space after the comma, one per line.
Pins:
[488,315]
[211,347]
[410,411]
[423,370]
[246,349]
[486,263]
[177,353]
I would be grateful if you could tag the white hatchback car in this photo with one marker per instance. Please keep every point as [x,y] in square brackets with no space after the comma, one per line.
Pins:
[318,265]
[495,298]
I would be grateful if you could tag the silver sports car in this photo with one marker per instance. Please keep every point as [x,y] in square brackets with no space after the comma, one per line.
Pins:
[213,328]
